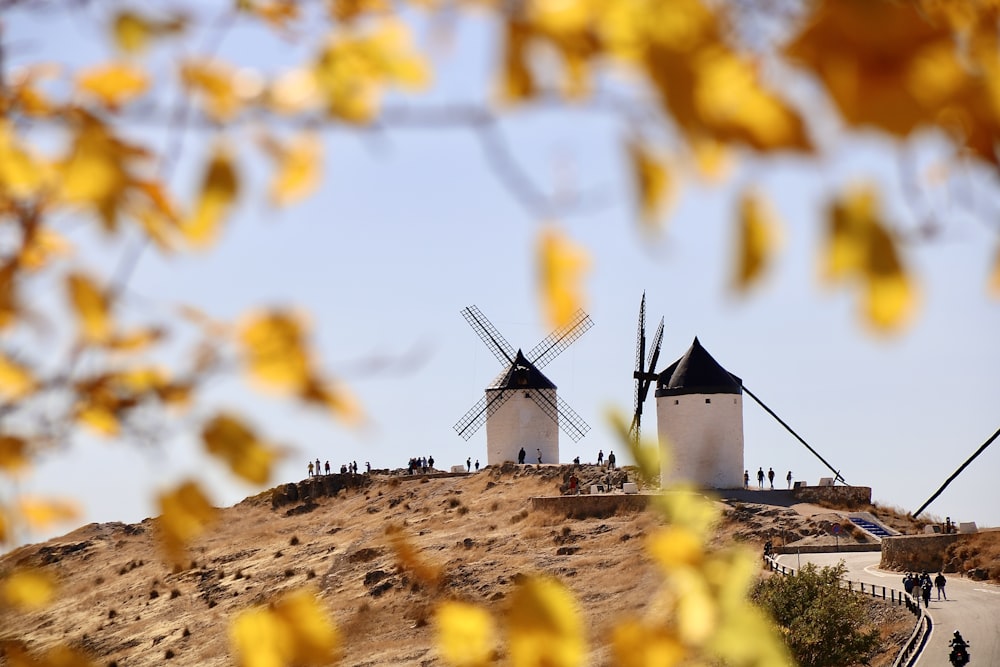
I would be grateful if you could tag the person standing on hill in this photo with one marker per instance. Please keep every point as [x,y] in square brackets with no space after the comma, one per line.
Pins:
[746,479]
[600,457]
[310,468]
[327,468]
[520,456]
[760,477]
[539,456]
[611,460]
[788,478]
[770,477]
[477,465]
[468,464]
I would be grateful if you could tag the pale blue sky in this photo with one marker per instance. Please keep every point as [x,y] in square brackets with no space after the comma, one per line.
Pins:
[411,226]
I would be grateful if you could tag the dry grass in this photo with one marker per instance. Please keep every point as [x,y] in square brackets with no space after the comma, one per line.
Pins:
[978,551]
[477,528]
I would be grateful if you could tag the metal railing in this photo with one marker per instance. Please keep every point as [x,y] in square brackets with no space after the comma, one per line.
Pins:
[921,629]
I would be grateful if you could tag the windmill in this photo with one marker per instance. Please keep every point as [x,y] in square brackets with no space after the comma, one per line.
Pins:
[699,414]
[644,375]
[520,407]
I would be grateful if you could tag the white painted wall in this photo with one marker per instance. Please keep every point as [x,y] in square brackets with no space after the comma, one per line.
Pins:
[705,432]
[519,422]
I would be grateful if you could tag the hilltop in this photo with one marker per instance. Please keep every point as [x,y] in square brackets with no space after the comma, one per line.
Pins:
[125,607]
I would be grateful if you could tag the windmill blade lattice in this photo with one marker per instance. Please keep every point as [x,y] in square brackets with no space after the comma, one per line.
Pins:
[644,375]
[498,345]
[556,342]
[477,415]
[569,421]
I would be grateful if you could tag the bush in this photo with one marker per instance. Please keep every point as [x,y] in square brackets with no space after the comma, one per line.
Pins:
[823,625]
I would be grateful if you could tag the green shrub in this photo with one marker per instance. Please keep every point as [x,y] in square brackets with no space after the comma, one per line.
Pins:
[823,625]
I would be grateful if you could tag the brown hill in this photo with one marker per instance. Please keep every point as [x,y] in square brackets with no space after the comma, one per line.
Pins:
[123,606]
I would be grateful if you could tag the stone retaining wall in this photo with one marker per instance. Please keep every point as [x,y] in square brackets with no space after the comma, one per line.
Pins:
[316,487]
[845,546]
[917,553]
[846,496]
[591,505]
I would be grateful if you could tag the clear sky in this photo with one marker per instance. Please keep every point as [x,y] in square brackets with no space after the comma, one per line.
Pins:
[410,226]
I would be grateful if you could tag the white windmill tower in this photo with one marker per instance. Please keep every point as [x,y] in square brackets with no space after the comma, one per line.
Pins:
[521,408]
[699,414]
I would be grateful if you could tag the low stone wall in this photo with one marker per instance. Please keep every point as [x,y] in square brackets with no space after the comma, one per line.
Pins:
[591,505]
[845,546]
[316,487]
[916,553]
[845,496]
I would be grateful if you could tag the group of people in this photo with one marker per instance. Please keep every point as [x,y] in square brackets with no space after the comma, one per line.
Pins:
[611,459]
[315,469]
[760,478]
[421,463]
[920,585]
[521,455]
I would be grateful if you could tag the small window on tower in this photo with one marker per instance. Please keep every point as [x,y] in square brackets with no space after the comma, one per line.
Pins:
[708,400]
[677,401]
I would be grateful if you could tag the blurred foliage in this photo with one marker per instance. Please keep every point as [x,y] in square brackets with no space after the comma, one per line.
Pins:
[711,81]
[823,624]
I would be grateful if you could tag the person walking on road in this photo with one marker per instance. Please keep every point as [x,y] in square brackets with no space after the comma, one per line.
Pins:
[939,582]
[760,477]
[770,477]
[746,479]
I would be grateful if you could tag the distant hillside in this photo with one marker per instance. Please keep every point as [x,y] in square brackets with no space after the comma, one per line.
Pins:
[123,607]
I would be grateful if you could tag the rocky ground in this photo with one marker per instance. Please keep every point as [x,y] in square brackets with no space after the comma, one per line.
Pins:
[123,606]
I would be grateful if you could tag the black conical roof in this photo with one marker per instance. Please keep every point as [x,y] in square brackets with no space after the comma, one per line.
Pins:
[521,374]
[697,372]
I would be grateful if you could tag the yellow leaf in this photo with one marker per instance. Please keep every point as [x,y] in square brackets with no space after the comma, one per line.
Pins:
[274,350]
[890,295]
[229,439]
[21,174]
[16,380]
[544,625]
[13,454]
[517,83]
[465,634]
[43,245]
[652,182]
[335,397]
[734,106]
[42,513]
[293,92]
[97,172]
[561,266]
[848,221]
[860,248]
[298,167]
[134,341]
[352,69]
[185,513]
[408,558]
[219,191]
[133,32]
[675,546]
[637,645]
[91,307]
[28,590]
[868,55]
[278,13]
[293,630]
[218,85]
[712,158]
[756,240]
[99,418]
[113,84]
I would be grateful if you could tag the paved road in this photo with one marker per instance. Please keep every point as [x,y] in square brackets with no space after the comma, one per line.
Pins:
[972,607]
